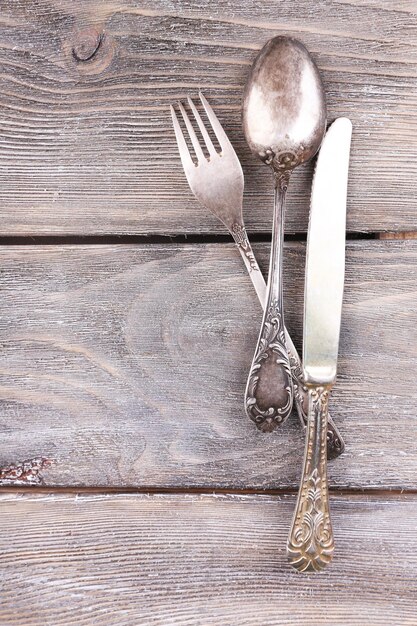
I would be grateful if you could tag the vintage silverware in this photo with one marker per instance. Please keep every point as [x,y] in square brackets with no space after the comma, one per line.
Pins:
[310,543]
[232,182]
[284,121]
[217,182]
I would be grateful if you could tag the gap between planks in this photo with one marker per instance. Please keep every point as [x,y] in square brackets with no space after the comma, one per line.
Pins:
[81,240]
[175,238]
[402,236]
[178,491]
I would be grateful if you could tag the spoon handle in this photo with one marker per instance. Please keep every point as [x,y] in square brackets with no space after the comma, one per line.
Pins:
[269,391]
[335,443]
[310,543]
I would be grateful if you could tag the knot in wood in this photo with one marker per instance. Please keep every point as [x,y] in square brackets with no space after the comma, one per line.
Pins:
[87,44]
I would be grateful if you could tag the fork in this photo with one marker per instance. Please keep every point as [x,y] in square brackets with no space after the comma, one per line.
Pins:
[217,182]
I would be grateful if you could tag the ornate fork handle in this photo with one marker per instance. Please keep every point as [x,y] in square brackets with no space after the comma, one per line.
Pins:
[241,238]
[310,544]
[335,443]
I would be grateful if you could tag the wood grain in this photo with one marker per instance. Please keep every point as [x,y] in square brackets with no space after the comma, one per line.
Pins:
[126,365]
[86,144]
[201,560]
[404,235]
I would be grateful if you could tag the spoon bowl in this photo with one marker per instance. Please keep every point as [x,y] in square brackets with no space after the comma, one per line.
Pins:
[284,110]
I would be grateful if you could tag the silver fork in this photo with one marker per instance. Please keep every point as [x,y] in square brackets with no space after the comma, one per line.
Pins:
[217,182]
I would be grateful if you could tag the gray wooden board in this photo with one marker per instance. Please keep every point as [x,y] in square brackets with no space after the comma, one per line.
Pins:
[87,147]
[201,560]
[127,365]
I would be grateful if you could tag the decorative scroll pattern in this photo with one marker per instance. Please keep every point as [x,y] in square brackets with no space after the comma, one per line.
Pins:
[300,389]
[310,544]
[283,162]
[241,239]
[271,346]
[335,444]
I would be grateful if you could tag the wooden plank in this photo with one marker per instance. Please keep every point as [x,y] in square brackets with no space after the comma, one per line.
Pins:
[201,560]
[126,365]
[86,144]
[405,235]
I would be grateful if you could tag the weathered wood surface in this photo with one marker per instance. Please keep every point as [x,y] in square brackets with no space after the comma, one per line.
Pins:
[127,366]
[200,561]
[403,235]
[86,144]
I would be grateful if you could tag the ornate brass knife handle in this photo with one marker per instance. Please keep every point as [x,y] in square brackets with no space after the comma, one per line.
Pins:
[335,443]
[310,543]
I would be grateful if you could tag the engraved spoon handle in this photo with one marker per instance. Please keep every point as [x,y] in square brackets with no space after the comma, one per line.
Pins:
[269,391]
[310,543]
[335,443]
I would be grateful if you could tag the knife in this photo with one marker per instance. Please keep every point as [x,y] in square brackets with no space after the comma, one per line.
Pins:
[310,543]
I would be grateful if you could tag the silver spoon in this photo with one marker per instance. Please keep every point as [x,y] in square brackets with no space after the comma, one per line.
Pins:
[284,121]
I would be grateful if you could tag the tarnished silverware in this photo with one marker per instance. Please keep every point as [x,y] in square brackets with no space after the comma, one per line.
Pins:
[310,543]
[217,182]
[223,196]
[284,121]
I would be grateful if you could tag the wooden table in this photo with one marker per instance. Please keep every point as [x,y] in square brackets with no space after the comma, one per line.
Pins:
[134,489]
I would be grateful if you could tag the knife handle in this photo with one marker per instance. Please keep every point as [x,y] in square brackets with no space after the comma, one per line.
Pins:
[335,443]
[310,543]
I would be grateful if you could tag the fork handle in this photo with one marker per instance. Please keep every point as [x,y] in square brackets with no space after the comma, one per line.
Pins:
[335,443]
[241,238]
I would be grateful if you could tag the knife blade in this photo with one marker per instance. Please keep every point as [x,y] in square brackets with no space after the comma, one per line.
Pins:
[325,263]
[310,544]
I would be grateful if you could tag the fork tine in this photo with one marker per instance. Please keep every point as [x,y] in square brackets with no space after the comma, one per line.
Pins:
[194,139]
[217,127]
[186,159]
[206,136]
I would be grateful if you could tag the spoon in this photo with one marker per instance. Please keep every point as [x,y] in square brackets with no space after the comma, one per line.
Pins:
[284,121]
